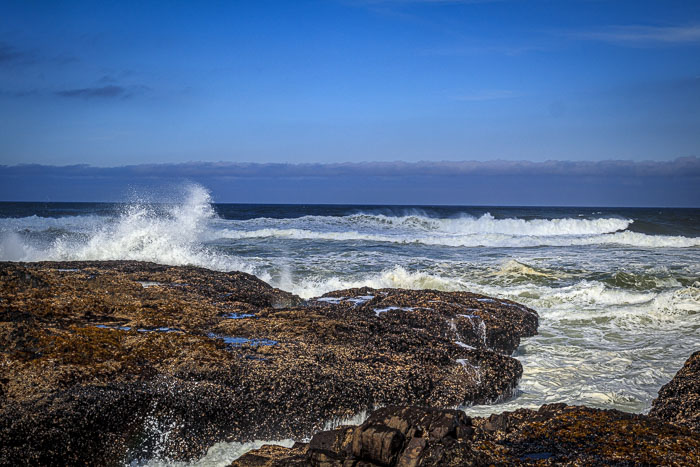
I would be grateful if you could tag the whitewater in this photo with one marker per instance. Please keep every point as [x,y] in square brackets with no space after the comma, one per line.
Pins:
[617,290]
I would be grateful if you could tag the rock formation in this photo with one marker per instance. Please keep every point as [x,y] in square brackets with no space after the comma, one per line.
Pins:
[555,434]
[396,436]
[105,362]
[679,400]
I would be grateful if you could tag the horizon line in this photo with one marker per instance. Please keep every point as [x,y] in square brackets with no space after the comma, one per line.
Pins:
[515,206]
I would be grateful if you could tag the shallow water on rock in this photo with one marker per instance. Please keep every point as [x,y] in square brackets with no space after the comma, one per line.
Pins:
[239,341]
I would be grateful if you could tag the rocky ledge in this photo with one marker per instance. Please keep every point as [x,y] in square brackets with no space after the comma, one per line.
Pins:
[104,362]
[555,434]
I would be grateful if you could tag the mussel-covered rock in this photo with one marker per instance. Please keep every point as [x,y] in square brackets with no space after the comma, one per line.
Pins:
[121,360]
[679,400]
[555,434]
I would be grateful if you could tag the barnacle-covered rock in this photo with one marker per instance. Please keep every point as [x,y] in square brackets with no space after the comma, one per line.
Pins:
[577,435]
[679,400]
[113,361]
[555,434]
[474,320]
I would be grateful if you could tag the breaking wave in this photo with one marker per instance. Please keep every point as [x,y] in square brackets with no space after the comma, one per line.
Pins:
[574,299]
[184,233]
[483,231]
[171,234]
[465,225]
[484,239]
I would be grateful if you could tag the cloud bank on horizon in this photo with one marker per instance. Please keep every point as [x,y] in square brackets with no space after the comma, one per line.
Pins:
[564,183]
[682,166]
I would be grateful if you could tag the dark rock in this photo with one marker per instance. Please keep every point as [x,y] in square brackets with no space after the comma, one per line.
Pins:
[376,443]
[391,436]
[276,456]
[429,423]
[333,441]
[679,400]
[562,434]
[553,435]
[115,361]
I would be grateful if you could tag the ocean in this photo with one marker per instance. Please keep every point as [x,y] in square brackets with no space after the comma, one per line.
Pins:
[617,289]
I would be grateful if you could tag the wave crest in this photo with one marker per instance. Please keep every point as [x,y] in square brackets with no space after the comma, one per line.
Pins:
[487,223]
[166,234]
[496,240]
[465,225]
[142,233]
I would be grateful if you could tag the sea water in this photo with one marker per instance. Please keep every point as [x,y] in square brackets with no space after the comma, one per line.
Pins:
[617,289]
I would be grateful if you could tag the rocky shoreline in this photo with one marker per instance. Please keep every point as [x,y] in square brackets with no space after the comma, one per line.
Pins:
[116,362]
[556,434]
[101,359]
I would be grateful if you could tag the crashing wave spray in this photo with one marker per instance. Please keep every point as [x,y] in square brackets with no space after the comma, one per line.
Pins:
[143,234]
[172,234]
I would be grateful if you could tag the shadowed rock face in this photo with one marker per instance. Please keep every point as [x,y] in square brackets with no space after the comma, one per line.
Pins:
[391,436]
[105,361]
[554,434]
[679,400]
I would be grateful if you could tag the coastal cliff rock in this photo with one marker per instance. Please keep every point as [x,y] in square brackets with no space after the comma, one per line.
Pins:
[679,400]
[553,435]
[106,362]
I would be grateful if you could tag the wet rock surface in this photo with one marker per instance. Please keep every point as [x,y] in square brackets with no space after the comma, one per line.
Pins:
[105,361]
[471,319]
[578,435]
[553,435]
[679,400]
[391,436]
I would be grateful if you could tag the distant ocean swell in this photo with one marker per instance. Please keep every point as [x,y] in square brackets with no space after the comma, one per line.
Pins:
[179,234]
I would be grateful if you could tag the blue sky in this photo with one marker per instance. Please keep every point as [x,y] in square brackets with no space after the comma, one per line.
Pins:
[125,82]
